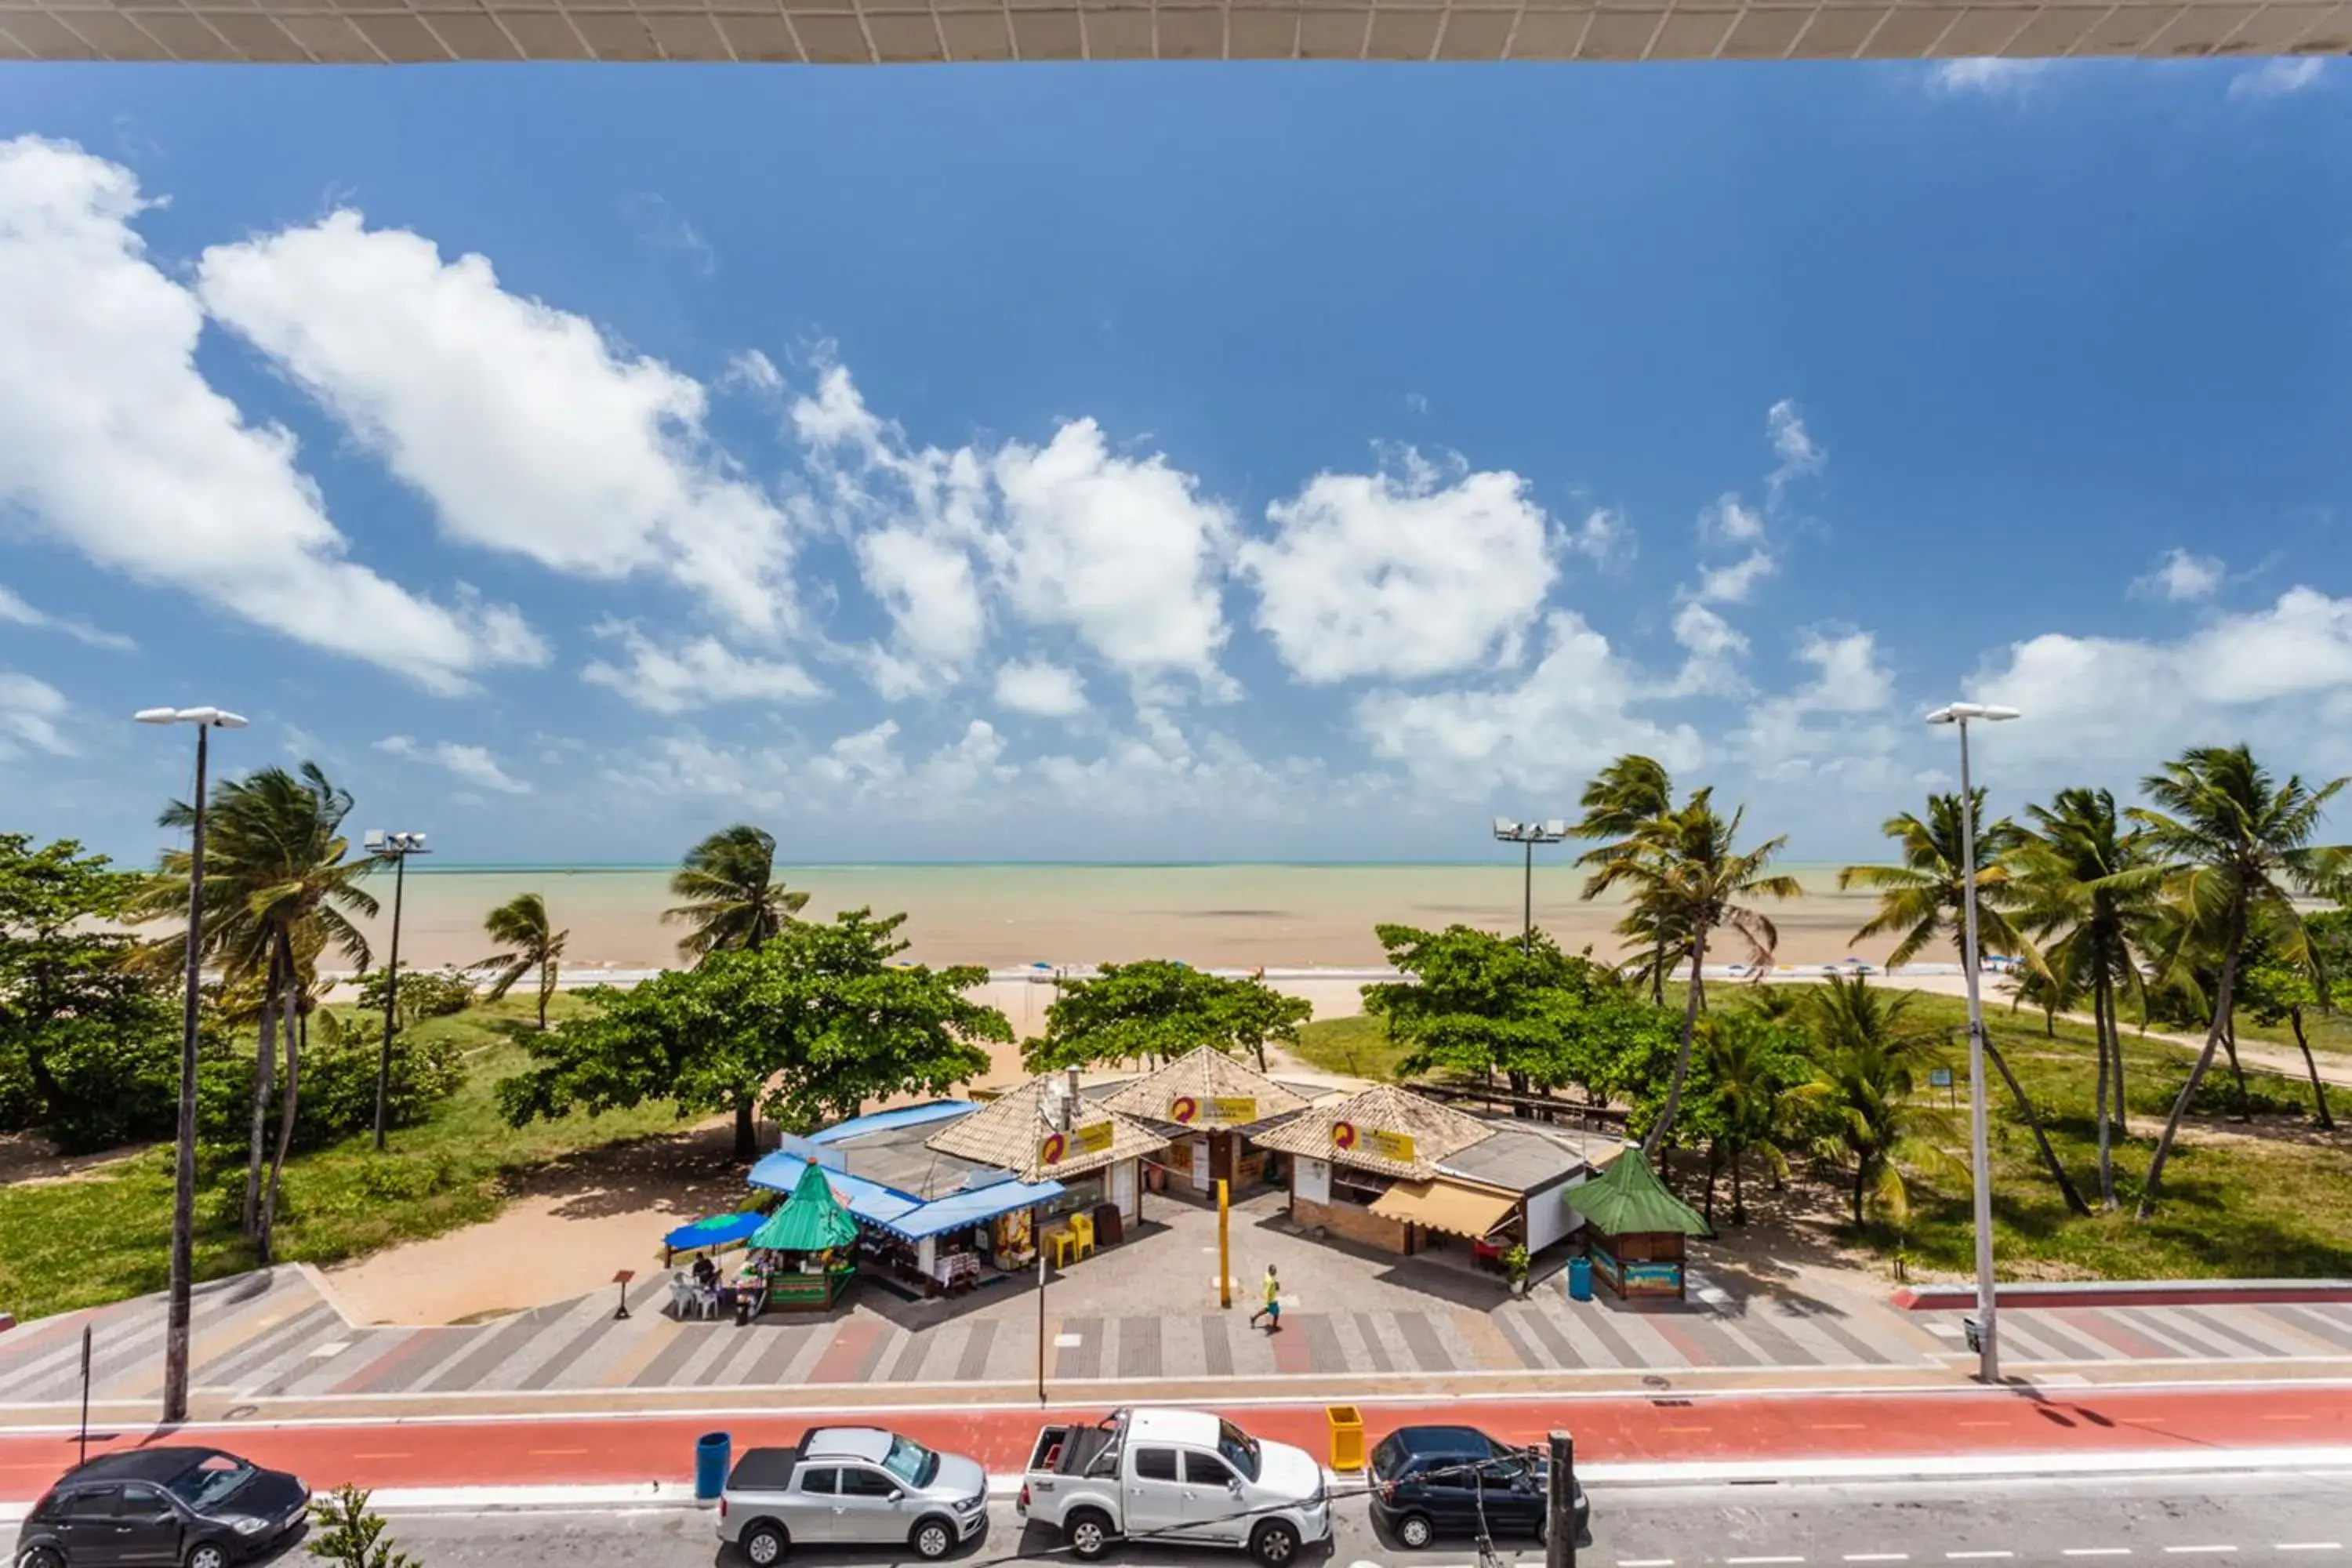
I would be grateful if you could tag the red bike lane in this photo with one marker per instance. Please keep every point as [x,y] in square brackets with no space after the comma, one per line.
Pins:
[628,1448]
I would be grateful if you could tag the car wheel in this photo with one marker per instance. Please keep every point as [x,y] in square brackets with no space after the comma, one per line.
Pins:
[40,1557]
[1414,1530]
[1089,1535]
[1543,1526]
[763,1545]
[933,1539]
[208,1554]
[1274,1545]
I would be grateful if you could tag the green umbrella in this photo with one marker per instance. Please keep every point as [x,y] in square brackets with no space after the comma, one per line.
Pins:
[811,1220]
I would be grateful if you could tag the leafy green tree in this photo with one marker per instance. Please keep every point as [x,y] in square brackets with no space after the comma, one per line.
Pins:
[2085,884]
[531,941]
[1751,1062]
[2238,845]
[1925,898]
[423,993]
[809,1026]
[1686,872]
[2276,992]
[350,1534]
[83,1041]
[1865,1067]
[1156,1010]
[279,891]
[732,898]
[1620,803]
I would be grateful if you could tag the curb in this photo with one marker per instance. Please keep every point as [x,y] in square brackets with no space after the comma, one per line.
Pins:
[2127,1294]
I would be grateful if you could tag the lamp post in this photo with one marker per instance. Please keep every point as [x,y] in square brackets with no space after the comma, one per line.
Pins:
[396,847]
[1529,834]
[184,1160]
[1988,1347]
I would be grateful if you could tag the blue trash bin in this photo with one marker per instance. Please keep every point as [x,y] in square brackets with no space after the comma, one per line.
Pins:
[1579,1279]
[712,1452]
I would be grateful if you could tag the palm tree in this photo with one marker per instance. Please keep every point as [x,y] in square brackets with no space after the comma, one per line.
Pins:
[2238,845]
[521,926]
[1926,897]
[1686,874]
[2083,876]
[732,901]
[1745,1082]
[1864,1069]
[1620,801]
[278,893]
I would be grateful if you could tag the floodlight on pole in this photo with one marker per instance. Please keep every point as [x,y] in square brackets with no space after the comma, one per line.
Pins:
[1987,1327]
[184,1154]
[1528,835]
[396,847]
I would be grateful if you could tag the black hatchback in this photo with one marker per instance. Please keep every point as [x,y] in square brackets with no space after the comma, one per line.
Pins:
[1428,1481]
[167,1508]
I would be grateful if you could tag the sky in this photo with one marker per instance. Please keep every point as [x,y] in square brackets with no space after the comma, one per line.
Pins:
[1183,462]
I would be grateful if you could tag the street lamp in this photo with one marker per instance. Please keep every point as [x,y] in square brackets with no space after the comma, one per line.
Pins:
[184,1174]
[1988,1338]
[1529,833]
[396,847]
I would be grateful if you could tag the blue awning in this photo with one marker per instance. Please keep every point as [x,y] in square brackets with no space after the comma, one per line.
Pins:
[713,1230]
[957,1210]
[781,1172]
[884,1120]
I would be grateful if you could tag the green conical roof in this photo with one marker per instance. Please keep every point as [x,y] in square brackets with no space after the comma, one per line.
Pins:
[1627,1199]
[811,1220]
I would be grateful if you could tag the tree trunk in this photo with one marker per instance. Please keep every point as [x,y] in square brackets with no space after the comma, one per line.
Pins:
[2115,1040]
[2102,1009]
[289,1101]
[1714,1163]
[2041,1140]
[2229,1044]
[746,1141]
[2318,1087]
[1665,1123]
[546,987]
[264,1068]
[2225,997]
[1861,1184]
[1738,1193]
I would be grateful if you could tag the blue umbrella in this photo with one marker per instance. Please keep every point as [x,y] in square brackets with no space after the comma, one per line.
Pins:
[714,1230]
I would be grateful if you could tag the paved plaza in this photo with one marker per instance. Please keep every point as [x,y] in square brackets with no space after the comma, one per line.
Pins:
[1140,1315]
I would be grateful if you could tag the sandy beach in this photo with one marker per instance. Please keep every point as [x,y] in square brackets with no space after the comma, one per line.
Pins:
[1006,916]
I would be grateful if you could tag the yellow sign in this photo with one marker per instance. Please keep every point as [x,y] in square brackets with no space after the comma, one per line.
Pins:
[1347,1137]
[1230,1111]
[1092,1139]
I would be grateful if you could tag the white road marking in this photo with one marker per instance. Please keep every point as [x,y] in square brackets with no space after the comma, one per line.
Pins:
[2096,1551]
[1763,1560]
[2197,1551]
[1646,1562]
[1878,1557]
[1977,1556]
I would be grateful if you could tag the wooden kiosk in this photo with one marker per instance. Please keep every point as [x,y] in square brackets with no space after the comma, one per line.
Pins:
[1635,1229]
[804,1256]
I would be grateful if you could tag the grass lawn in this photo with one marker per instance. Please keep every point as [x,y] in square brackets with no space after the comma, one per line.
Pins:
[104,1237]
[2272,1196]
[1358,1047]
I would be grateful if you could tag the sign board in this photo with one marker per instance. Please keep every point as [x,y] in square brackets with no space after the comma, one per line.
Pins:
[1230,1111]
[1346,1136]
[1092,1139]
[1939,1078]
[1652,1279]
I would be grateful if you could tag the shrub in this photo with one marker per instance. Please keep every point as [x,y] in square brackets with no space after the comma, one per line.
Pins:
[423,993]
[337,1096]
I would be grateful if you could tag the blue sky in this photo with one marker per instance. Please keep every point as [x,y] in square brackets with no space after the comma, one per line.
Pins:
[1163,462]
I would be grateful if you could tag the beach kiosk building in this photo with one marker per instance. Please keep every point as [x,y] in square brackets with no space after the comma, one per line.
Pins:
[1209,1108]
[1391,1169]
[1635,1229]
[1044,1132]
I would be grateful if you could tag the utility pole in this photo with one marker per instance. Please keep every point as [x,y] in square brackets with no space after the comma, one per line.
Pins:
[1560,1504]
[1528,835]
[1041,1322]
[396,847]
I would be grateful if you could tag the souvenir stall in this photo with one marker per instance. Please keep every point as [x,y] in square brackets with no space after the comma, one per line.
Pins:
[803,1257]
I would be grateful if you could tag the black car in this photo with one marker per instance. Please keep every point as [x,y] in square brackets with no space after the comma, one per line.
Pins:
[1428,1481]
[173,1508]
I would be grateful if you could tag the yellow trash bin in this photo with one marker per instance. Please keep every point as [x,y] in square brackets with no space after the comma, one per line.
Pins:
[1346,1437]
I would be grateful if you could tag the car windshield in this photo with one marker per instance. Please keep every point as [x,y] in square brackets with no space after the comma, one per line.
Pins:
[1239,1448]
[210,1480]
[912,1462]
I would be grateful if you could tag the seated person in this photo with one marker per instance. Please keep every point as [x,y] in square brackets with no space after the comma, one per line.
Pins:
[706,1273]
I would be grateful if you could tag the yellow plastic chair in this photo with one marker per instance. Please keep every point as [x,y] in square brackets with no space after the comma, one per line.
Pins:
[1065,1244]
[1082,1226]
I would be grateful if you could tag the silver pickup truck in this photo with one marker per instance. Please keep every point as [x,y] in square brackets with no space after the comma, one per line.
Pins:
[1172,1478]
[852,1486]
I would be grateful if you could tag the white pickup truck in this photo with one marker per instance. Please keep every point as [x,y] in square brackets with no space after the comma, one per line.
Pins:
[1175,1476]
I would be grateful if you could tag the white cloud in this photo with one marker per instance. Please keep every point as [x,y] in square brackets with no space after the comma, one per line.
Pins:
[2181,576]
[2279,78]
[472,764]
[1712,650]
[1043,687]
[112,441]
[1400,574]
[693,674]
[1989,76]
[1726,521]
[1568,715]
[14,609]
[1122,552]
[1837,725]
[527,430]
[1734,584]
[1603,537]
[2281,677]
[29,711]
[1800,456]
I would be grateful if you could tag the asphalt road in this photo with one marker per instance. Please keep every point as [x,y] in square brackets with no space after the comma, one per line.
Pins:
[2301,1518]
